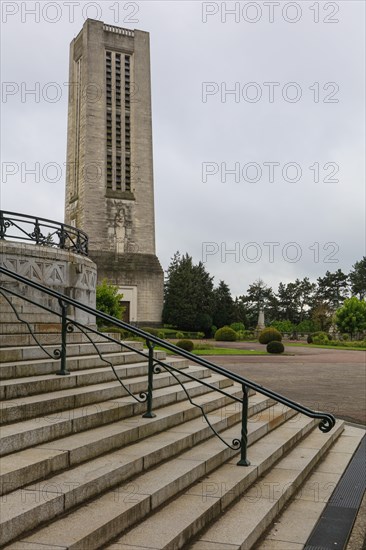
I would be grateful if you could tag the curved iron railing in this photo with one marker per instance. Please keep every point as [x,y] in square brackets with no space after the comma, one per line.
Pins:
[155,365]
[21,227]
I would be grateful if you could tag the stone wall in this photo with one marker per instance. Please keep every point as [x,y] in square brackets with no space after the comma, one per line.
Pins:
[141,270]
[71,274]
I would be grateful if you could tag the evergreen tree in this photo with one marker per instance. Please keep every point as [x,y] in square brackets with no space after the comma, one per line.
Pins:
[295,300]
[240,312]
[259,296]
[223,306]
[287,298]
[188,295]
[357,279]
[333,288]
[305,298]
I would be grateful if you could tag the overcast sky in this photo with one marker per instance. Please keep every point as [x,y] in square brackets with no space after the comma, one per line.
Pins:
[291,132]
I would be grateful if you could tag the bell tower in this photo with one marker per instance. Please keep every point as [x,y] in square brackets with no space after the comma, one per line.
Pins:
[109,184]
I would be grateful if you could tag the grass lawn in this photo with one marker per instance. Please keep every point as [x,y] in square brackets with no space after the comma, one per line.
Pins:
[219,351]
[343,348]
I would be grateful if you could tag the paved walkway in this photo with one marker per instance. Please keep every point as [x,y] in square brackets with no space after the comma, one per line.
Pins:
[329,380]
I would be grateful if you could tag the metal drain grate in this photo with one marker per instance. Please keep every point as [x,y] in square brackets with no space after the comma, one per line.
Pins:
[334,526]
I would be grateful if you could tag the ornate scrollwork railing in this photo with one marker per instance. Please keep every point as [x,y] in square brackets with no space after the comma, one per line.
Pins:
[155,365]
[21,227]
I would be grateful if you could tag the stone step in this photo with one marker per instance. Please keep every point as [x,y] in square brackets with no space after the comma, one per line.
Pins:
[28,433]
[29,465]
[44,366]
[259,496]
[27,353]
[31,385]
[21,307]
[30,317]
[49,404]
[24,338]
[16,328]
[295,524]
[132,500]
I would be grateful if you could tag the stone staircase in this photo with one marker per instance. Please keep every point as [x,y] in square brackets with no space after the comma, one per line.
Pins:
[82,469]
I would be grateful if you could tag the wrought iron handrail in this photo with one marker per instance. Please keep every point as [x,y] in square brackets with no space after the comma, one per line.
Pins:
[155,365]
[43,232]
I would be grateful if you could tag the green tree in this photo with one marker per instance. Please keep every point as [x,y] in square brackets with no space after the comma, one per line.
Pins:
[295,300]
[240,312]
[333,288]
[259,296]
[223,306]
[287,302]
[306,326]
[357,279]
[188,295]
[305,297]
[284,327]
[322,316]
[108,301]
[351,317]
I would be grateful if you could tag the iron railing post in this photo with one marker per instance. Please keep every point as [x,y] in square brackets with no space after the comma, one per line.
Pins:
[149,413]
[2,226]
[63,370]
[62,237]
[244,429]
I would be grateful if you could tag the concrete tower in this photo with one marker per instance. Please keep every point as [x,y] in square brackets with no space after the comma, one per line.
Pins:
[109,185]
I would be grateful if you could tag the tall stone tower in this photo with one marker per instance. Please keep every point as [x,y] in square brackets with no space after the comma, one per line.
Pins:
[109,184]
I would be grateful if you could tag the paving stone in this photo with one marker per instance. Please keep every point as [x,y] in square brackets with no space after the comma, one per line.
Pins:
[296,523]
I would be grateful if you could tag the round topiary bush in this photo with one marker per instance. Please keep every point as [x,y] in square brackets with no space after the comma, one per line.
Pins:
[187,345]
[179,335]
[275,347]
[225,334]
[320,337]
[269,334]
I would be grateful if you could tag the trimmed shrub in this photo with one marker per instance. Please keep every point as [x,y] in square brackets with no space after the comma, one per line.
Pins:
[237,327]
[167,332]
[345,337]
[268,335]
[309,339]
[320,338]
[225,334]
[346,344]
[193,335]
[179,335]
[185,344]
[150,330]
[275,347]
